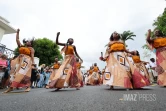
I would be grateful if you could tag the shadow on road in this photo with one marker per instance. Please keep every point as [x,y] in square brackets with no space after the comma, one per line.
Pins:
[120,89]
[63,90]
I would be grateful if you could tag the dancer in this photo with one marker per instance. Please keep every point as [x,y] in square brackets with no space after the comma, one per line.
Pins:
[140,75]
[159,43]
[54,70]
[117,71]
[90,80]
[25,61]
[96,75]
[71,79]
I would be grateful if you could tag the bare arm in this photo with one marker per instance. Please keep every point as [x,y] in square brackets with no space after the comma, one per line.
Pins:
[128,51]
[148,37]
[77,53]
[57,40]
[17,38]
[98,69]
[32,55]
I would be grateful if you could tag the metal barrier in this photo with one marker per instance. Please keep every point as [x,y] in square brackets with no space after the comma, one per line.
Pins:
[6,51]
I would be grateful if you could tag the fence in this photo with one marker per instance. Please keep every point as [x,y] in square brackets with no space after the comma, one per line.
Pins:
[6,51]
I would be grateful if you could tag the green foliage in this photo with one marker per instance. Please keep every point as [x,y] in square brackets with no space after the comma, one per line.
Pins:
[160,22]
[127,35]
[145,46]
[16,53]
[46,50]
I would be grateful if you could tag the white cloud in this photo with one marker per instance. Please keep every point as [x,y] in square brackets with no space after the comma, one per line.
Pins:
[89,22]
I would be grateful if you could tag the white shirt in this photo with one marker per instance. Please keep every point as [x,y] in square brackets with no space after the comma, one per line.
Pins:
[153,64]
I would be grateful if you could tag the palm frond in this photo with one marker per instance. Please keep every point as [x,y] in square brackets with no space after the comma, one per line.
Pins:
[129,39]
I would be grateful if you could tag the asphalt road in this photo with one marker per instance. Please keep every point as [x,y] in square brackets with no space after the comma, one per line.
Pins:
[89,98]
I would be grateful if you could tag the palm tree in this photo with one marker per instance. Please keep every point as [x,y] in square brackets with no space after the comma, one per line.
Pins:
[146,55]
[127,35]
[145,46]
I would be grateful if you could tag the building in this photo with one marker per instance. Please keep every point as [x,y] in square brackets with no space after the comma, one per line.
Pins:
[5,28]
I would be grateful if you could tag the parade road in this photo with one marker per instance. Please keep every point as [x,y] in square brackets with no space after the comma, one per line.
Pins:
[89,98]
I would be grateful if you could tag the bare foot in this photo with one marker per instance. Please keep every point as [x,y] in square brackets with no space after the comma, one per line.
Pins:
[47,87]
[28,89]
[9,90]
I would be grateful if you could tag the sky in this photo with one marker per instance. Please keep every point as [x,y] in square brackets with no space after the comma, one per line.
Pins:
[89,22]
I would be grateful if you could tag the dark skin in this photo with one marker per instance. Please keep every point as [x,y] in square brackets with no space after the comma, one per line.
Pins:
[153,60]
[95,64]
[70,41]
[28,44]
[77,60]
[56,60]
[156,33]
[148,36]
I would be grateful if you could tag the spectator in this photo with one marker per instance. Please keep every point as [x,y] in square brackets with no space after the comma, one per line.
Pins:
[153,67]
[33,75]
[3,68]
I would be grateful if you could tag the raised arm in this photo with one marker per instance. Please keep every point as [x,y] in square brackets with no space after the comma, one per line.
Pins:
[57,40]
[148,36]
[75,50]
[17,38]
[32,55]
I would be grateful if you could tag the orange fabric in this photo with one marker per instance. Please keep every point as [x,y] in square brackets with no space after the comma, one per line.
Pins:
[95,69]
[69,50]
[159,42]
[90,71]
[117,47]
[136,59]
[56,66]
[24,50]
[78,65]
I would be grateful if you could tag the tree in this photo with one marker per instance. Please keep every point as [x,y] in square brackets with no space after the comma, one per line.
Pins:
[127,35]
[46,50]
[160,23]
[145,46]
[146,55]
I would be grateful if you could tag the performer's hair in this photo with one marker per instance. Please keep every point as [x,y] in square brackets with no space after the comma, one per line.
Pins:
[160,33]
[25,41]
[137,53]
[111,37]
